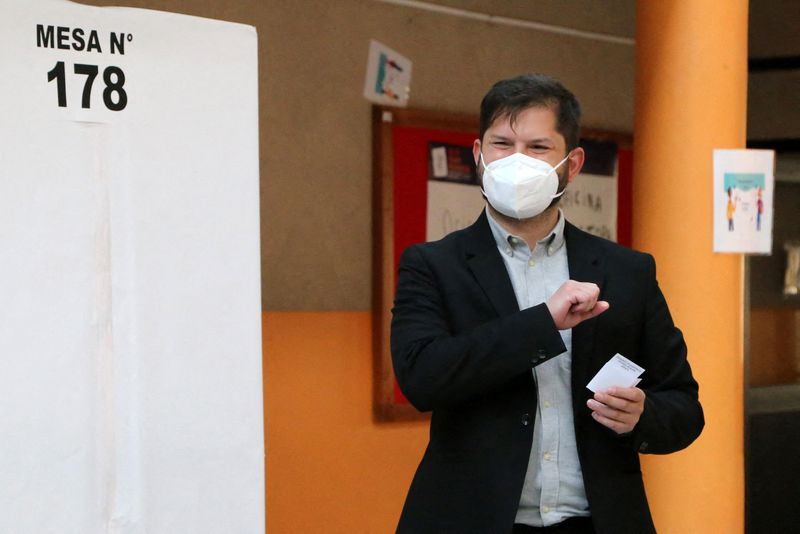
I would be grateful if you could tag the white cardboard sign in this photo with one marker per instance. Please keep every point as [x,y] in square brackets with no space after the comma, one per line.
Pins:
[130,347]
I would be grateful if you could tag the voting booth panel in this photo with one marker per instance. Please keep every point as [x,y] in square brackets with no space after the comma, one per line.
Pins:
[130,343]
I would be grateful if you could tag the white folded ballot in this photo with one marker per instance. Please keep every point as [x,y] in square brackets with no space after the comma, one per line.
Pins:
[619,371]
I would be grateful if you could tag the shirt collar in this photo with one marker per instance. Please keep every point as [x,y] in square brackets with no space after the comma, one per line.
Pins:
[508,242]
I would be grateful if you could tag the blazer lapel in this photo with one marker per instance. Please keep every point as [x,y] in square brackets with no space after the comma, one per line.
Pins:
[488,268]
[585,265]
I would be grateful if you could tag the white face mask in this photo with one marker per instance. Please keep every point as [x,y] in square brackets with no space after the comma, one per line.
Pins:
[520,186]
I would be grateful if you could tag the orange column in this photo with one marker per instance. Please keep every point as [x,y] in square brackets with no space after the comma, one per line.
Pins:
[691,89]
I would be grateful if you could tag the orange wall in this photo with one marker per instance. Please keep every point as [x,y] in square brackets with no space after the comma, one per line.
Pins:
[330,468]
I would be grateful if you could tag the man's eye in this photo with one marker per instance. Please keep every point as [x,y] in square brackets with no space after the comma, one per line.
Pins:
[539,148]
[501,144]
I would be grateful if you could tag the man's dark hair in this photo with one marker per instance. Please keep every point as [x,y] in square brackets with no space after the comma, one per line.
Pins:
[507,98]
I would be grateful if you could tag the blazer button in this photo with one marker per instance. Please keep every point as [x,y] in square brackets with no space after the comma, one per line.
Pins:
[542,354]
[643,446]
[526,419]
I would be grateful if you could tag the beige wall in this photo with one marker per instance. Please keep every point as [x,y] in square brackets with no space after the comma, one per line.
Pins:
[315,125]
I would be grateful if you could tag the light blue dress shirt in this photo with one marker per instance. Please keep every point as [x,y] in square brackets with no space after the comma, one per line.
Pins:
[553,489]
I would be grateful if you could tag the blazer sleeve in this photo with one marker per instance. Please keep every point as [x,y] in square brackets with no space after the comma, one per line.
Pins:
[672,416]
[437,367]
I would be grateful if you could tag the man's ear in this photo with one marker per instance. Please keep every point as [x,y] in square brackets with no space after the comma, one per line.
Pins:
[575,163]
[476,151]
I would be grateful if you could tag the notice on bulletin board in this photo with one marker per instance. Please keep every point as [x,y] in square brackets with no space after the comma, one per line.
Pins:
[454,194]
[590,201]
[744,181]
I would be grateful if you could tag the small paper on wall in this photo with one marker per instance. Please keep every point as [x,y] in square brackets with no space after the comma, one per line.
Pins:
[744,181]
[388,79]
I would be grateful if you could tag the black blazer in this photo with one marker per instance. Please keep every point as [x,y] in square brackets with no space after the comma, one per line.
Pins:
[462,348]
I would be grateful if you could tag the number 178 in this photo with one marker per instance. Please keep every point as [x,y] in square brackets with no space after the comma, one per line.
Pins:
[114,95]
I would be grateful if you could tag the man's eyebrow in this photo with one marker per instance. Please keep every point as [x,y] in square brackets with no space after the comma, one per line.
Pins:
[501,137]
[540,140]
[494,138]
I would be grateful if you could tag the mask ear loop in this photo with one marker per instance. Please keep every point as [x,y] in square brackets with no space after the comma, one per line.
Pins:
[555,169]
[480,158]
[560,163]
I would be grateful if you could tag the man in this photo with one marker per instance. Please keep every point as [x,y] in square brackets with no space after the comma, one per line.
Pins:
[499,327]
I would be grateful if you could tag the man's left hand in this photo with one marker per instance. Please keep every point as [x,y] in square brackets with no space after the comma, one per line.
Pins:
[618,408]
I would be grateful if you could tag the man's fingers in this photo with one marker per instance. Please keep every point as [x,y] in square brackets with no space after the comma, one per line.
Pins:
[599,308]
[616,426]
[575,302]
[615,403]
[596,310]
[618,408]
[617,420]
[584,295]
[607,410]
[582,307]
[633,394]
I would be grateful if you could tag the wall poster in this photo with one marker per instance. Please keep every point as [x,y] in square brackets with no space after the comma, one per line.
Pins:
[744,181]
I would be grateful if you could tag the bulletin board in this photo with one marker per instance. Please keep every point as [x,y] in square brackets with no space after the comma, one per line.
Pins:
[425,185]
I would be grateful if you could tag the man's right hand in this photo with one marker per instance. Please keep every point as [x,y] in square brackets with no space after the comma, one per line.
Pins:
[574,302]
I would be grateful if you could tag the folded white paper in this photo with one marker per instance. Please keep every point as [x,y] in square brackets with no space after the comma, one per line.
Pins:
[619,371]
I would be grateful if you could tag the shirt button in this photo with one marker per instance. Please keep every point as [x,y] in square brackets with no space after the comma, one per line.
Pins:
[547,404]
[526,419]
[547,456]
[545,509]
[531,262]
